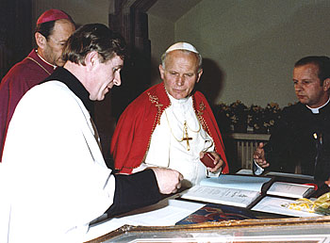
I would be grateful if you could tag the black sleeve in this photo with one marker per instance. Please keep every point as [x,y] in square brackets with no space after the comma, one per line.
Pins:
[134,191]
[278,151]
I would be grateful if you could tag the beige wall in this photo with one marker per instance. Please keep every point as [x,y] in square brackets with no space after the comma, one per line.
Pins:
[250,46]
[161,34]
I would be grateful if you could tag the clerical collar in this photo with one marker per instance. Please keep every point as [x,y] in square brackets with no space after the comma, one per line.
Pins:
[45,60]
[177,101]
[317,109]
[63,75]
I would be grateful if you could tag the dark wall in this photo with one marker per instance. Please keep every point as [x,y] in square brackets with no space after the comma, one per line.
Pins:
[15,32]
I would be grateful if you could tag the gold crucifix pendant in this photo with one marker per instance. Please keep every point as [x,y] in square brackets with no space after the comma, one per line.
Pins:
[185,135]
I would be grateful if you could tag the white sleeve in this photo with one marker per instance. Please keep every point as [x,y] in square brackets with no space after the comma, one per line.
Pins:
[256,169]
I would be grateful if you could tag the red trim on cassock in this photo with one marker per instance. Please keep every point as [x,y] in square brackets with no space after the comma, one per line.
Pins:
[133,132]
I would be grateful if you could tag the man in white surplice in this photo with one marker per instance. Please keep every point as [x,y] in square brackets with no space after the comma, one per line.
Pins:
[54,180]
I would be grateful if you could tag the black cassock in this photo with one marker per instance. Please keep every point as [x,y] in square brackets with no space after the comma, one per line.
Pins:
[301,138]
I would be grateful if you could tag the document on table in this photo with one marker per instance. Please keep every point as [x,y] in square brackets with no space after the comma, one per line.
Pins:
[227,196]
[275,205]
[165,213]
[292,190]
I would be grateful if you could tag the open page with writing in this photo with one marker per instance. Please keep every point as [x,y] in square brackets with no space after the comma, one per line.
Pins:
[227,196]
[291,190]
[243,190]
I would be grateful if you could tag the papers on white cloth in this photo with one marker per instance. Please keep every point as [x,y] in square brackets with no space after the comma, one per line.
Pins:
[165,213]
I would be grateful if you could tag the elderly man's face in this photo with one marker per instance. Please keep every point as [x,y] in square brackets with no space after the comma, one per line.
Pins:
[308,87]
[180,74]
[53,49]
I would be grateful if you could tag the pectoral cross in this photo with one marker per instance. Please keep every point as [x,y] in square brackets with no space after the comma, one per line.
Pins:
[185,135]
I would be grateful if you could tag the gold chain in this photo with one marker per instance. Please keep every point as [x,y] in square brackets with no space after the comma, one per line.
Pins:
[185,136]
[199,127]
[39,65]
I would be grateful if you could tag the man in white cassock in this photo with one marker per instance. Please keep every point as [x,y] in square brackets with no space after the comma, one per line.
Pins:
[54,180]
[171,124]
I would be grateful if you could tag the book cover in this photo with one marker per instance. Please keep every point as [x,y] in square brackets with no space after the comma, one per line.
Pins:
[216,213]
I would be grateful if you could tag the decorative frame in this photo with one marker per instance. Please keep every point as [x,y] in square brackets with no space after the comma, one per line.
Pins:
[307,230]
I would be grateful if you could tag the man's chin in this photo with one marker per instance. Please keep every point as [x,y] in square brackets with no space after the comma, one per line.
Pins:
[179,95]
[60,63]
[303,101]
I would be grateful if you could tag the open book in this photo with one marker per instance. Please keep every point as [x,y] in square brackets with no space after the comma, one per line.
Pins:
[235,190]
[291,190]
[243,191]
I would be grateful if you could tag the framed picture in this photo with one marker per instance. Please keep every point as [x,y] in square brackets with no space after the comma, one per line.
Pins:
[309,230]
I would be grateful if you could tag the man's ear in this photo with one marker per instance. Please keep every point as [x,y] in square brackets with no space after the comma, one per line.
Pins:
[161,71]
[199,75]
[41,40]
[326,84]
[91,59]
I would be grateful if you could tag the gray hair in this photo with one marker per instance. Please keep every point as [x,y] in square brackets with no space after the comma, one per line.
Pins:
[199,57]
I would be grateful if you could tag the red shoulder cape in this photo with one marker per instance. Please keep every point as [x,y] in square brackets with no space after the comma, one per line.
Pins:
[133,131]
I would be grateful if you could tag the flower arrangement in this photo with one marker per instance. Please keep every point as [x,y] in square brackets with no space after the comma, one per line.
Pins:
[272,113]
[241,118]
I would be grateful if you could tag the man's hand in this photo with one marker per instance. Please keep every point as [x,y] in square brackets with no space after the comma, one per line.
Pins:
[259,156]
[217,161]
[327,182]
[169,181]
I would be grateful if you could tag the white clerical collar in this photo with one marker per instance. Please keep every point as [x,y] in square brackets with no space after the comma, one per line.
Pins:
[177,101]
[317,109]
[45,60]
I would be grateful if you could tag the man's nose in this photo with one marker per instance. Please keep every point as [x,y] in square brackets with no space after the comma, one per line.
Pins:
[297,86]
[117,80]
[180,80]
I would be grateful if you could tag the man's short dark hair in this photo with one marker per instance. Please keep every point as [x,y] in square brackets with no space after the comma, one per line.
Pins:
[94,37]
[46,29]
[322,62]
